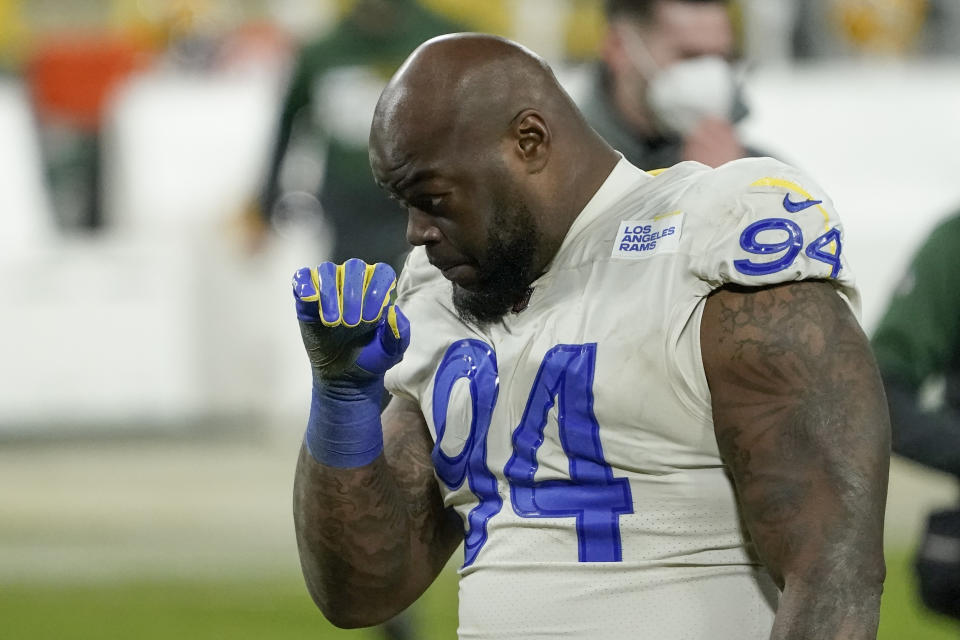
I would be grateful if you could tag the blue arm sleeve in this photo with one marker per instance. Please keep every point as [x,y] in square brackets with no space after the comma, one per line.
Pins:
[344,428]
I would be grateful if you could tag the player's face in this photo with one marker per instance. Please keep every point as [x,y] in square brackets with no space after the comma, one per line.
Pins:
[471,218]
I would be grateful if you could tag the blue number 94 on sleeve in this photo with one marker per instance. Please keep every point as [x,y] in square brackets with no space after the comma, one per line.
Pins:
[788,247]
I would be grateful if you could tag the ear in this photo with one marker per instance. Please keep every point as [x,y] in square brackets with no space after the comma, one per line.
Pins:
[532,139]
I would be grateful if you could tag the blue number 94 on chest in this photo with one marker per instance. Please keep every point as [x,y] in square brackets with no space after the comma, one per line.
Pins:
[592,496]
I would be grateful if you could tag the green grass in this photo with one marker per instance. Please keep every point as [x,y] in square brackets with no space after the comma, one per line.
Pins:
[196,610]
[902,617]
[281,610]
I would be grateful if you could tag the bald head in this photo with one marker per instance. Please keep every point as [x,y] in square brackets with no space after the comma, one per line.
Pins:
[469,68]
[465,89]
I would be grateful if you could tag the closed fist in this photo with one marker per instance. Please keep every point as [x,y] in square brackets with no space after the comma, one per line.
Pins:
[348,324]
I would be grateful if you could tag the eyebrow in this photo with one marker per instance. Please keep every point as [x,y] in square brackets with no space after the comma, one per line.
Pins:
[418,176]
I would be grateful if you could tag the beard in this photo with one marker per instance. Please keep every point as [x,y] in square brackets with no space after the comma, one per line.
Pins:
[506,271]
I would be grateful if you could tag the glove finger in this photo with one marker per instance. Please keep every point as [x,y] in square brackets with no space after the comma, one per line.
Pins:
[306,295]
[397,339]
[353,276]
[379,282]
[327,286]
[387,347]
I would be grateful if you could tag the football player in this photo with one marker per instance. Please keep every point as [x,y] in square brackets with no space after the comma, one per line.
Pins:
[642,403]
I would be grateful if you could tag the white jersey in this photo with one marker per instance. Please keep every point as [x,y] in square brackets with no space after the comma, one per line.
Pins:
[575,438]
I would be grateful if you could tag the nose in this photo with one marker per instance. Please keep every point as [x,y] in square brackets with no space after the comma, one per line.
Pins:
[420,228]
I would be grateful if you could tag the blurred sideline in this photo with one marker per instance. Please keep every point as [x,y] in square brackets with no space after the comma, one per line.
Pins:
[164,318]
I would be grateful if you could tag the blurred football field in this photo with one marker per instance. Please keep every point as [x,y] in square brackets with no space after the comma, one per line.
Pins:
[279,608]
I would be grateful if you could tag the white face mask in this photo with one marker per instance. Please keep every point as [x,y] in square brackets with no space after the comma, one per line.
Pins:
[684,93]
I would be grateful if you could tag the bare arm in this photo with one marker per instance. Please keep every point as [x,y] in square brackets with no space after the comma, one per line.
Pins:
[801,421]
[373,538]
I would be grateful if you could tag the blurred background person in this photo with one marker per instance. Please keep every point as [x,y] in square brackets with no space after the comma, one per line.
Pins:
[665,89]
[917,344]
[72,75]
[318,169]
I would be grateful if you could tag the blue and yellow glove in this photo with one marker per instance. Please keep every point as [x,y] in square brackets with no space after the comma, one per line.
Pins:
[353,334]
[348,324]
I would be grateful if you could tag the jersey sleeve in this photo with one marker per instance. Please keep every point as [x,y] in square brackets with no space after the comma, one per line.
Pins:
[767,223]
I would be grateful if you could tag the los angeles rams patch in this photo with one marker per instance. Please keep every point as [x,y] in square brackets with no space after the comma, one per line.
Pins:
[637,239]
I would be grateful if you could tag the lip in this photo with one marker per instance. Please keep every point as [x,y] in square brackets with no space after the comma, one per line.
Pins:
[462,273]
[443,265]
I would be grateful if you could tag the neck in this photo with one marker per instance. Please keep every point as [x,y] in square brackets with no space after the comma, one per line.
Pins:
[577,184]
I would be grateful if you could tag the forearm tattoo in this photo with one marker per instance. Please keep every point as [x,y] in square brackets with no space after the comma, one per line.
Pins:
[364,534]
